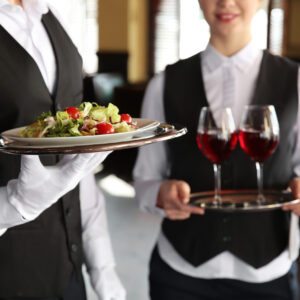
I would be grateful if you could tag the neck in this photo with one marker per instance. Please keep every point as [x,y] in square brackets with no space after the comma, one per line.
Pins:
[228,46]
[15,2]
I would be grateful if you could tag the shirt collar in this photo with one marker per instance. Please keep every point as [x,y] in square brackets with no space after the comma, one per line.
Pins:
[4,3]
[36,7]
[244,58]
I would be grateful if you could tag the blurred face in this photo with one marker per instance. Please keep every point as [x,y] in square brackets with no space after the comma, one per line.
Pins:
[229,17]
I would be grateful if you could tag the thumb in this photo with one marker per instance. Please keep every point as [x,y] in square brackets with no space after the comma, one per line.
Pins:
[183,190]
[295,187]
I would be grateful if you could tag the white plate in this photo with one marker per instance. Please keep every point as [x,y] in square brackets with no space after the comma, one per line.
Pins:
[143,125]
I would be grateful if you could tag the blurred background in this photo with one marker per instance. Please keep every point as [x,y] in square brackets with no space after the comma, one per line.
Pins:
[123,44]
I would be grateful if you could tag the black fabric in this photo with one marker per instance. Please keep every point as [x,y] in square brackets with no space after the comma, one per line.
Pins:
[256,238]
[75,291]
[37,259]
[166,283]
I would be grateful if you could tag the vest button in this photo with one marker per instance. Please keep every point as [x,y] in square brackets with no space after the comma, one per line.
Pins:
[226,239]
[74,248]
[227,181]
[225,220]
[68,212]
[58,107]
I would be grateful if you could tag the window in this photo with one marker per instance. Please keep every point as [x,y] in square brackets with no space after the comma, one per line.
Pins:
[277,9]
[80,18]
[166,40]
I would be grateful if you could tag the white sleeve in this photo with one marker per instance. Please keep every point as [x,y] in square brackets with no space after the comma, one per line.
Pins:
[152,166]
[9,216]
[97,249]
[296,156]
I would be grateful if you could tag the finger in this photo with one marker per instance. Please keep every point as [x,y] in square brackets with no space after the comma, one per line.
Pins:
[99,157]
[295,210]
[295,187]
[177,215]
[75,159]
[194,210]
[30,163]
[81,161]
[90,159]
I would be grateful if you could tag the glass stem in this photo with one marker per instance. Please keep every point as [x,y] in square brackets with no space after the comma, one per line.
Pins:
[217,173]
[260,179]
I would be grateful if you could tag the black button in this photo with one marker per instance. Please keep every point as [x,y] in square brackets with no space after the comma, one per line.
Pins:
[227,181]
[225,220]
[74,248]
[68,212]
[58,107]
[226,163]
[226,239]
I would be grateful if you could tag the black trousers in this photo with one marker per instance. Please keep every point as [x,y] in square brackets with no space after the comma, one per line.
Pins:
[75,291]
[167,284]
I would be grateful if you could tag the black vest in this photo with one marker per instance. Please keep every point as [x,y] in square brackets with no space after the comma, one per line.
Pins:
[36,259]
[256,238]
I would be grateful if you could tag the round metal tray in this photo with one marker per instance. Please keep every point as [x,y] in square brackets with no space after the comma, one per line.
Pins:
[162,133]
[243,200]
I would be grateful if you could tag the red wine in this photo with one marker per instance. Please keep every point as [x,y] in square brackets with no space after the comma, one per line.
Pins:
[216,146]
[257,145]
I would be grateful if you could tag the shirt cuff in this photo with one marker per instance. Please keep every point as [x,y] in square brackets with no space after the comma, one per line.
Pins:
[9,215]
[146,195]
[2,231]
[20,207]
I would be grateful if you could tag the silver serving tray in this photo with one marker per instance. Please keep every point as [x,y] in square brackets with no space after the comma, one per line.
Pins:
[162,133]
[243,200]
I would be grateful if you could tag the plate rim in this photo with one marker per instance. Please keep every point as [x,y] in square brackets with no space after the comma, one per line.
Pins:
[79,140]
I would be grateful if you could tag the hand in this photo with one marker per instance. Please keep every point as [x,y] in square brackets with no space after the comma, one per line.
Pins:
[173,196]
[38,187]
[110,286]
[295,188]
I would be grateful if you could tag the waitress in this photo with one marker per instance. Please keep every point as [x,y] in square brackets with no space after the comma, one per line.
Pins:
[41,70]
[203,254]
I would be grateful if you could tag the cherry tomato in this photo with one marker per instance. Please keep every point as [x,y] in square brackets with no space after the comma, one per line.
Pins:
[126,117]
[73,112]
[105,128]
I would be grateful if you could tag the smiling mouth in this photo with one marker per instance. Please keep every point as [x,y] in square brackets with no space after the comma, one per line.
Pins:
[226,17]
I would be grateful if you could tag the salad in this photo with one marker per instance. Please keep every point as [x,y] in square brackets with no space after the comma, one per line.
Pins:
[89,118]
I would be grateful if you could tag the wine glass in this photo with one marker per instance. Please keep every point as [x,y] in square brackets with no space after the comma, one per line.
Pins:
[258,137]
[216,138]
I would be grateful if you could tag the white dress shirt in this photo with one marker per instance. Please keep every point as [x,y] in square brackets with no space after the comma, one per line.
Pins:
[228,82]
[24,25]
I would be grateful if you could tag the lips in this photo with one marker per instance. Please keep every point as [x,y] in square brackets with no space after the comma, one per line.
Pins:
[226,17]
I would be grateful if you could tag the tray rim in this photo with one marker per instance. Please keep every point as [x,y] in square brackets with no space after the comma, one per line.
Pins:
[168,132]
[247,208]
